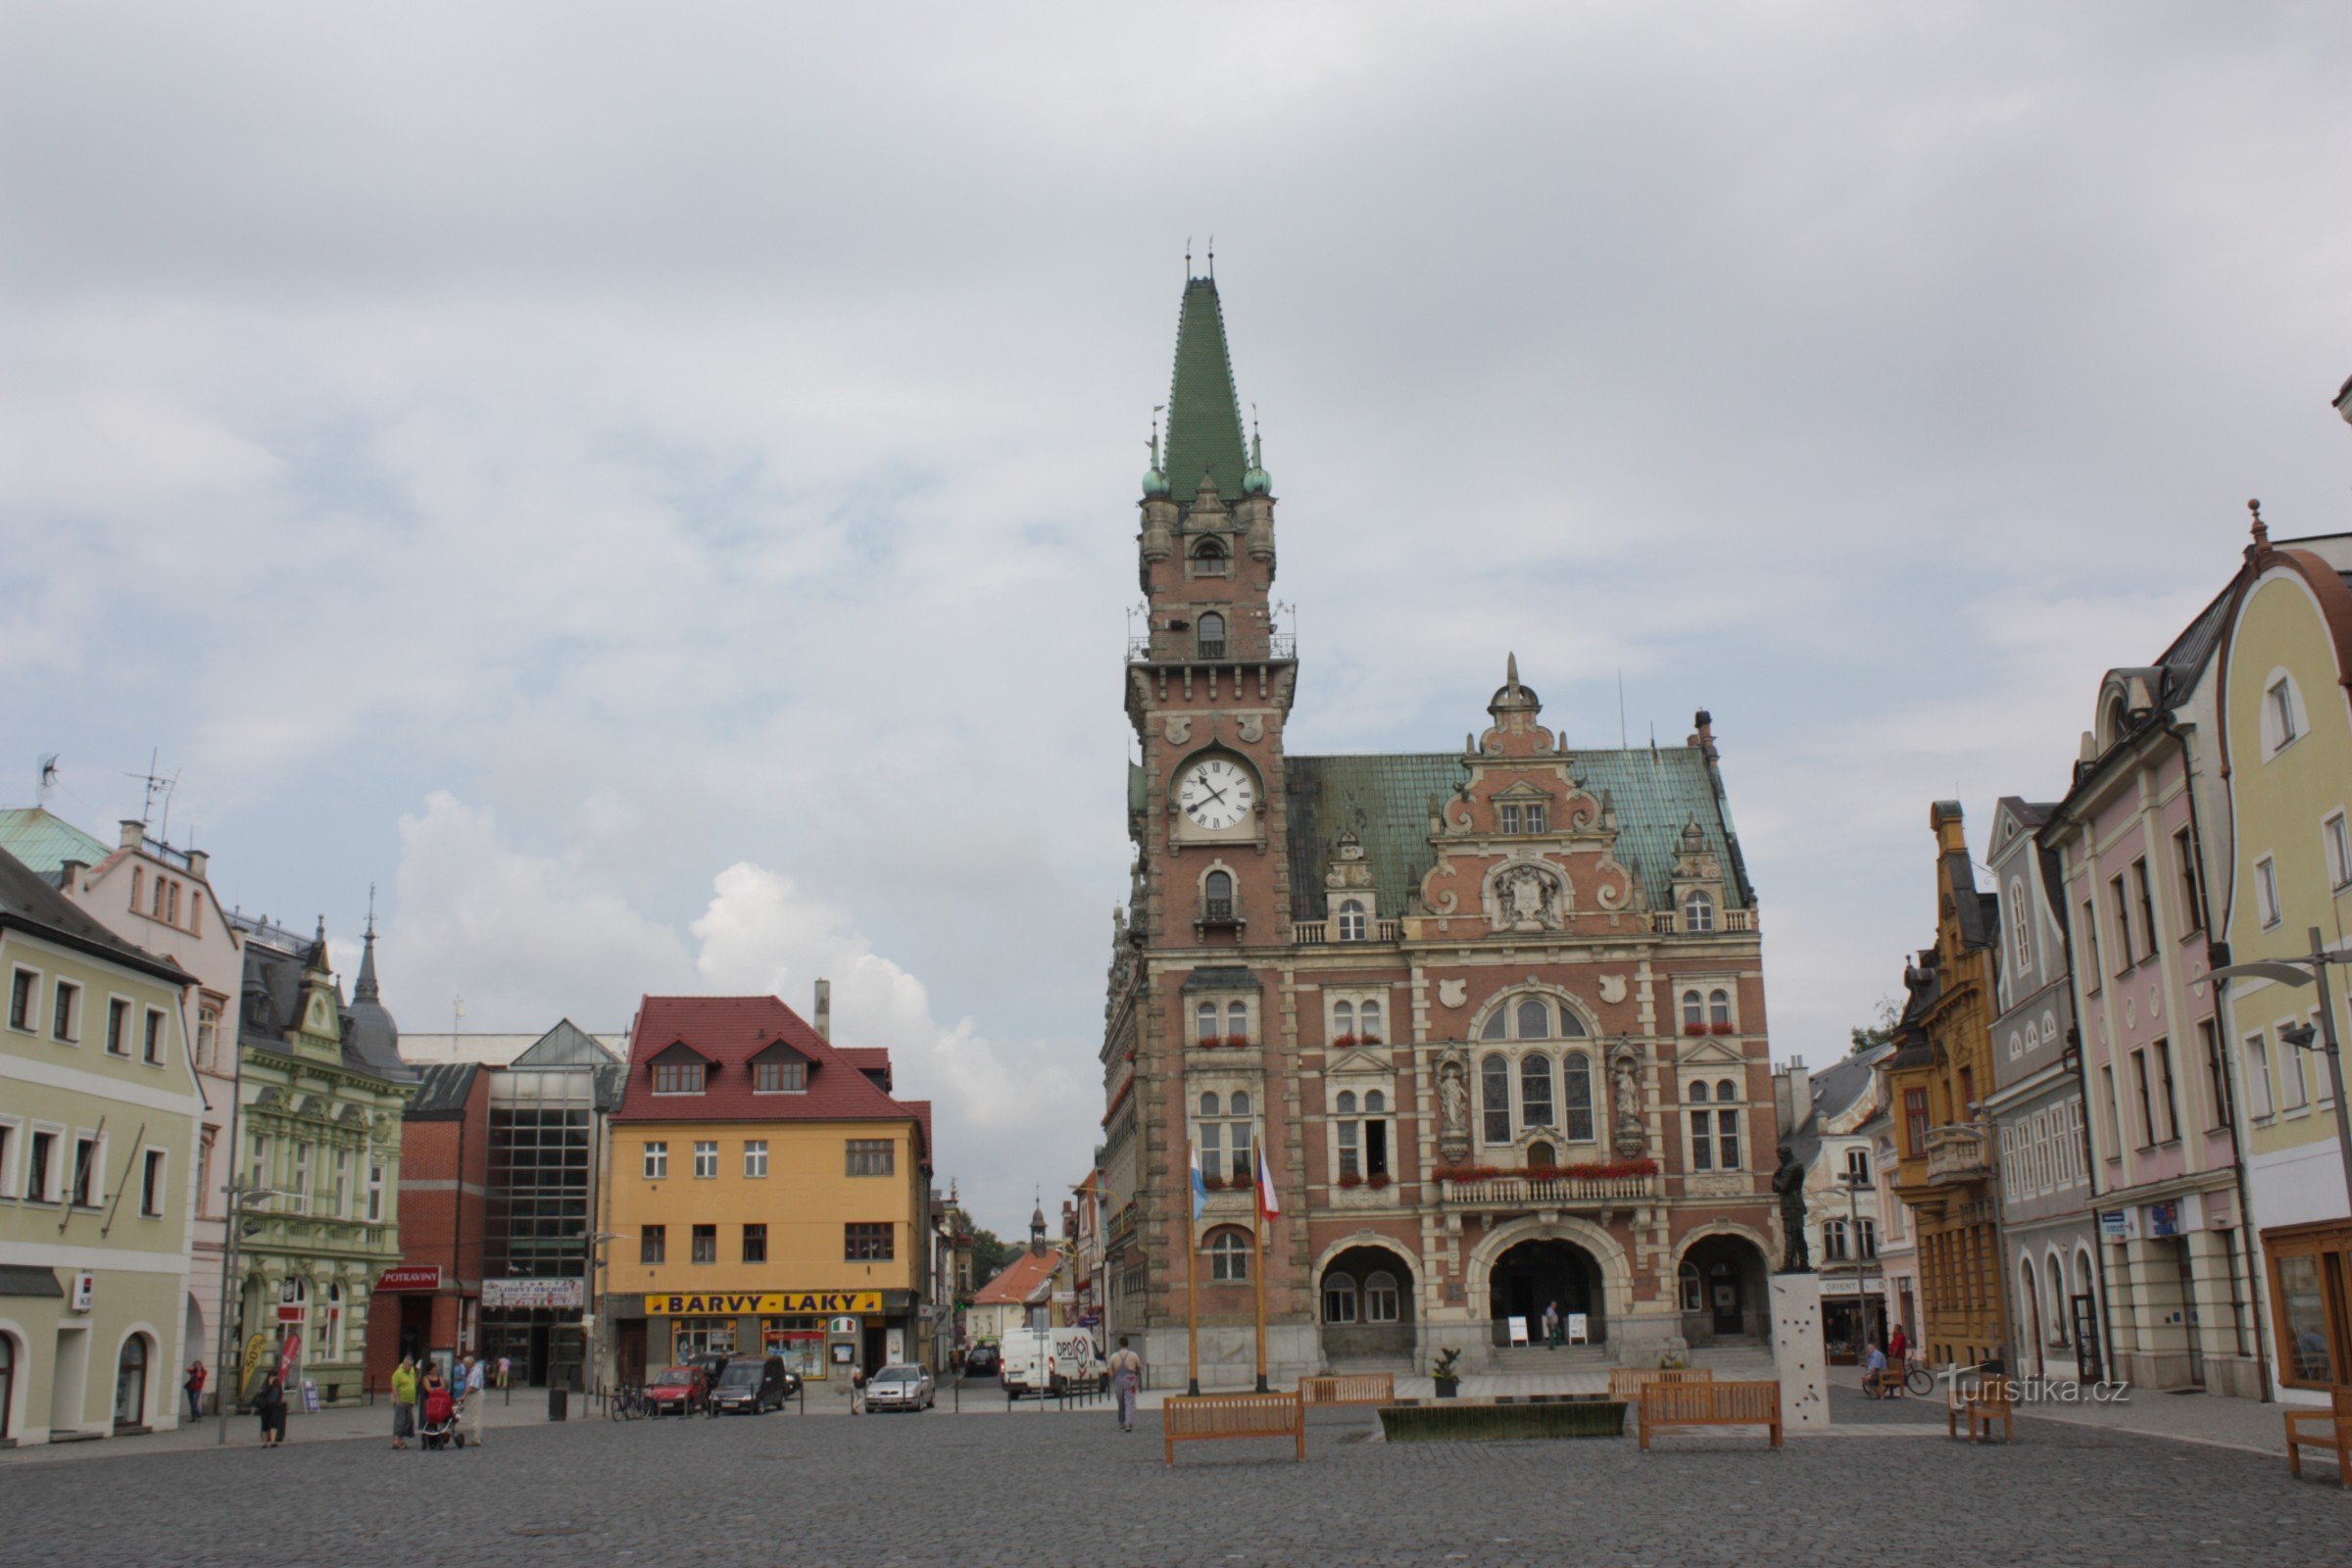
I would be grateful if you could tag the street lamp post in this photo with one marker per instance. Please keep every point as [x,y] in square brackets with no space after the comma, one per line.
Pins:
[2311,970]
[239,1195]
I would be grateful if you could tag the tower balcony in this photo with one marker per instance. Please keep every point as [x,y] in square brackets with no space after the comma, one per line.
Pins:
[1317,932]
[1956,1154]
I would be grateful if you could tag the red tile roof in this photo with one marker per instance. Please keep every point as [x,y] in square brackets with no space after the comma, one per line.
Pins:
[729,1031]
[1020,1282]
[866,1058]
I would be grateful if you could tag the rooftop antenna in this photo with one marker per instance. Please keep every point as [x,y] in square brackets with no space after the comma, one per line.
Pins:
[158,786]
[456,1012]
[372,908]
[1213,257]
[1187,258]
[48,780]
[1621,741]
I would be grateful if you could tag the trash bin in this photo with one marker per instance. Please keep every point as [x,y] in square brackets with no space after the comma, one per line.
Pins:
[558,1401]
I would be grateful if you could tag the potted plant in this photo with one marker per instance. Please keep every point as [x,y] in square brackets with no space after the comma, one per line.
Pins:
[1695,1028]
[1446,1369]
[1369,1040]
[1722,1026]
[1342,1042]
[1215,1184]
[1380,1178]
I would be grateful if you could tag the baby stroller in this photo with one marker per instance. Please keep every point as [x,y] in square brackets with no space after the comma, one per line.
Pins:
[441,1421]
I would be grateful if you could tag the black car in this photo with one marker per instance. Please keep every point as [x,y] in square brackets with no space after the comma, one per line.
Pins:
[710,1363]
[751,1385]
[982,1361]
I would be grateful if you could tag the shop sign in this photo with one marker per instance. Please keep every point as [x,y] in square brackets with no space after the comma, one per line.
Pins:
[729,1303]
[2164,1219]
[410,1277]
[557,1294]
[2119,1224]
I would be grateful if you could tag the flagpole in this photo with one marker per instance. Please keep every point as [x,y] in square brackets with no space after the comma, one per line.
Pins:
[1192,1289]
[1257,1237]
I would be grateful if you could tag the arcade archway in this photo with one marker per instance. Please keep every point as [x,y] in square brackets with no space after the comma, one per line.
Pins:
[1546,1272]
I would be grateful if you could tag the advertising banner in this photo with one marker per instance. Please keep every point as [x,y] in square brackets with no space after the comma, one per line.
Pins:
[731,1304]
[556,1294]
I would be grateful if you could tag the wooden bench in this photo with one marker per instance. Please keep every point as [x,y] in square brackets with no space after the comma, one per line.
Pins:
[1206,1417]
[2331,1428]
[1349,1388]
[1627,1382]
[1687,1405]
[1983,1403]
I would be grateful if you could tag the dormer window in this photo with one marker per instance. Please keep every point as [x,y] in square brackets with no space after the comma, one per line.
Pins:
[1355,925]
[1209,559]
[677,1077]
[1698,911]
[780,1078]
[1211,630]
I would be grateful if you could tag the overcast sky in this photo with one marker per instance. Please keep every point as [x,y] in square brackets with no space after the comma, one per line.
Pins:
[652,487]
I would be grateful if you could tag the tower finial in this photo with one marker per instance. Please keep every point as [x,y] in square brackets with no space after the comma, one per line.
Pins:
[1187,258]
[371,911]
[2261,530]
[1510,671]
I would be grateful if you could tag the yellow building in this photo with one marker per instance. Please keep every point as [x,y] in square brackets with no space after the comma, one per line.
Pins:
[768,1195]
[2287,762]
[1938,1079]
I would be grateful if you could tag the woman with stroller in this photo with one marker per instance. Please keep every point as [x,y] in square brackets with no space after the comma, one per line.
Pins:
[440,1411]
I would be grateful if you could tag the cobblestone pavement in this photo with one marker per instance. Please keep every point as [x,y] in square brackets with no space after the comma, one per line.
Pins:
[1071,1488]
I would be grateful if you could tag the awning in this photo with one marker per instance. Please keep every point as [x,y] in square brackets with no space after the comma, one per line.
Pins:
[19,1279]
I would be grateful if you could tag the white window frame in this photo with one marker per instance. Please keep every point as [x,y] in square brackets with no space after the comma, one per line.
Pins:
[96,1197]
[754,1158]
[117,1002]
[20,973]
[154,1162]
[656,1159]
[2283,720]
[69,992]
[705,1159]
[376,1190]
[2262,1096]
[2335,838]
[53,1178]
[2291,1076]
[2266,892]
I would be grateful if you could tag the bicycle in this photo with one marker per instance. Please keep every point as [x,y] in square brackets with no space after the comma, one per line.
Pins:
[626,1402]
[1918,1381]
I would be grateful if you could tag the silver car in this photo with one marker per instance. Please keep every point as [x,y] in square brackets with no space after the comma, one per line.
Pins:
[901,1388]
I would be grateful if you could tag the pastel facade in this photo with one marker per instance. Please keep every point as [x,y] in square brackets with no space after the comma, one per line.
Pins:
[99,1118]
[1829,1117]
[1494,1016]
[2286,753]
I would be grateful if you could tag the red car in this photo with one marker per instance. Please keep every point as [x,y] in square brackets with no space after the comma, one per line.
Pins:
[681,1391]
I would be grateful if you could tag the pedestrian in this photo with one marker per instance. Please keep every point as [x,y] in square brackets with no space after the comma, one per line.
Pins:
[1126,1379]
[271,1405]
[404,1402]
[477,1377]
[194,1384]
[857,1390]
[1551,1327]
[1876,1382]
[1898,1345]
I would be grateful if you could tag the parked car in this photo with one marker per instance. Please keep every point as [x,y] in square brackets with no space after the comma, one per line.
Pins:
[681,1391]
[901,1388]
[982,1361]
[711,1362]
[752,1385]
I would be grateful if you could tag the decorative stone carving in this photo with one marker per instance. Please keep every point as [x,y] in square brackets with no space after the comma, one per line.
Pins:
[1178,727]
[1612,988]
[1526,896]
[1628,1133]
[1454,1108]
[1796,1257]
[1453,993]
[1253,726]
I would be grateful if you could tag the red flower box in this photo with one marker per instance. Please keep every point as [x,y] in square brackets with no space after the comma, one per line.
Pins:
[1695,1028]
[1215,1184]
[1369,1040]
[1352,1180]
[1380,1179]
[1342,1042]
[1237,1042]
[1723,1028]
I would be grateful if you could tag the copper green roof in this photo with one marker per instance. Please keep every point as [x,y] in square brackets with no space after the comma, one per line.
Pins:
[1205,415]
[46,842]
[1386,801]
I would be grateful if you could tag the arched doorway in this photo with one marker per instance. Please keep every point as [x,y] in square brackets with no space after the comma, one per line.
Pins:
[130,1383]
[1537,1274]
[1726,1292]
[8,1386]
[2030,1296]
[1367,1306]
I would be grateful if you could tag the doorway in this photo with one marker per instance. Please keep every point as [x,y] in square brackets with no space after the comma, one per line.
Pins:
[1534,1275]
[1724,1290]
[70,1381]
[2193,1336]
[131,1384]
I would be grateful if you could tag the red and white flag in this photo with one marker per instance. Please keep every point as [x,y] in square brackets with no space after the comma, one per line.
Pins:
[1268,1205]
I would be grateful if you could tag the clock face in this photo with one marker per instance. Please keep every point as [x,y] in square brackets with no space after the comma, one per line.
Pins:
[1215,792]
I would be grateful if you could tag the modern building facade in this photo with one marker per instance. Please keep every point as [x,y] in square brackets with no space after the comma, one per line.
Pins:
[161,899]
[99,1117]
[767,1193]
[2285,751]
[2136,836]
[1493,1016]
[321,1089]
[2050,1257]
[1938,1078]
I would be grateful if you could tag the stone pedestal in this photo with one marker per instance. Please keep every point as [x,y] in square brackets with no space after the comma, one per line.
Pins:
[1797,1352]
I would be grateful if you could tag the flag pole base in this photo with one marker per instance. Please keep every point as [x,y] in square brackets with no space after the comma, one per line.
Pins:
[1192,1389]
[1261,1383]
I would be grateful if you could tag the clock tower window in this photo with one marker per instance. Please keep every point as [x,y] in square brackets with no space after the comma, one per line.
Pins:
[1210,631]
[1209,559]
[1216,899]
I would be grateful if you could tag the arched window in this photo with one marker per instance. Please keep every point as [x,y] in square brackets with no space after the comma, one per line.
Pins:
[1539,1156]
[1352,1138]
[1211,629]
[1208,1103]
[1698,911]
[1698,1094]
[1204,1022]
[1694,1014]
[1693,1295]
[1497,1025]
[1719,1008]
[1371,1017]
[1535,1091]
[130,1383]
[1380,1297]
[1347,1102]
[1228,1257]
[1375,1103]
[1237,1023]
[1726,1092]
[1216,896]
[1343,1018]
[1494,1095]
[1209,559]
[1575,1091]
[2021,924]
[1339,1298]
[1535,1020]
[1352,925]
[1727,1140]
[1241,1103]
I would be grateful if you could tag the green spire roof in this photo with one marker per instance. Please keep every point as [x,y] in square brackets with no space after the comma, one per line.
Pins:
[1204,417]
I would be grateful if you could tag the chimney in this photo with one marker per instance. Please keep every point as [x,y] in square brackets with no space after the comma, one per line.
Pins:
[70,874]
[198,859]
[1703,734]
[824,1011]
[1793,1094]
[134,833]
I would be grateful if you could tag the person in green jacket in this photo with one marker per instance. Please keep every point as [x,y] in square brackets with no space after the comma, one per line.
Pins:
[404,1402]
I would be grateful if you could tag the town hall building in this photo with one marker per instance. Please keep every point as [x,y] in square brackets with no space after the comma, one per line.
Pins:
[1494,1014]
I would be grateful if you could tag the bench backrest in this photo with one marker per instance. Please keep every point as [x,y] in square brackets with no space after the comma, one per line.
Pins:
[1711,1404]
[1627,1382]
[1349,1388]
[1210,1415]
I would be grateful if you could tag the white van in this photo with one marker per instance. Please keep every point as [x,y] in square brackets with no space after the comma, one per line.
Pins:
[1051,1361]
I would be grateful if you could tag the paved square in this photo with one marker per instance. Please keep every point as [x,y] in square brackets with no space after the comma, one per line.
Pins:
[1041,1488]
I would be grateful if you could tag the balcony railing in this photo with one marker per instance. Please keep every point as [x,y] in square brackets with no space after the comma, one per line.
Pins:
[1956,1154]
[1180,645]
[1667,922]
[1217,911]
[1309,932]
[1546,1192]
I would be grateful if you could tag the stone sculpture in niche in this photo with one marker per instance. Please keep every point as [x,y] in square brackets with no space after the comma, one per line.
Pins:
[1627,1134]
